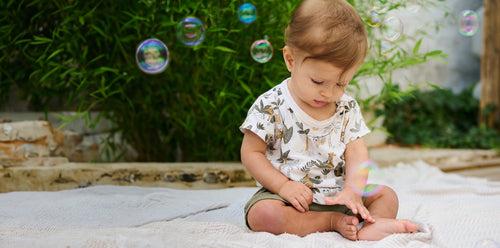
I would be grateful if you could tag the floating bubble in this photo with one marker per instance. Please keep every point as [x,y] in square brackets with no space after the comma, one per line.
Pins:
[385,47]
[392,28]
[413,6]
[261,51]
[468,22]
[383,10]
[191,31]
[247,13]
[374,17]
[486,244]
[152,56]
[384,5]
[360,176]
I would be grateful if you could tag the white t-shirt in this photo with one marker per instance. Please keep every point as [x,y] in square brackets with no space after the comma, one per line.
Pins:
[302,148]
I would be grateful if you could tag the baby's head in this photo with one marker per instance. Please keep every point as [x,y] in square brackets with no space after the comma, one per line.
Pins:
[330,31]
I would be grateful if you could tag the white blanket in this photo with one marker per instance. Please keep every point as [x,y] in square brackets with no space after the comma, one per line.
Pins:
[452,211]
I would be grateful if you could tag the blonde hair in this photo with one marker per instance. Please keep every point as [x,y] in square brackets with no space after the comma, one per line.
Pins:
[328,30]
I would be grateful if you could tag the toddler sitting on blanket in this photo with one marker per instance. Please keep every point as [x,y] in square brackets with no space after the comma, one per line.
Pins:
[303,139]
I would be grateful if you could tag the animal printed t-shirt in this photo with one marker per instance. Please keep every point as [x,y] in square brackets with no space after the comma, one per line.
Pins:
[302,148]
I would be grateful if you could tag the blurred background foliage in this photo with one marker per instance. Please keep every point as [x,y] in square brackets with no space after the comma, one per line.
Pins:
[80,56]
[438,118]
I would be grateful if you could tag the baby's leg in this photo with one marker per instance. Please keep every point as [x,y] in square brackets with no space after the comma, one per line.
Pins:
[276,217]
[384,208]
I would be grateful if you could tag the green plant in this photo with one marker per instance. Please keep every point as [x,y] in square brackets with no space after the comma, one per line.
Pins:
[80,54]
[438,118]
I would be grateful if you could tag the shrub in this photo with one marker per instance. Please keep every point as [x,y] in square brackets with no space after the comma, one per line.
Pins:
[438,118]
[81,55]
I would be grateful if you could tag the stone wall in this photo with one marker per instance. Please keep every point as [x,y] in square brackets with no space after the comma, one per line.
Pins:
[36,156]
[28,143]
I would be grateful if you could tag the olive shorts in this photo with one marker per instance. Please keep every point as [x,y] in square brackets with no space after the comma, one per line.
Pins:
[263,194]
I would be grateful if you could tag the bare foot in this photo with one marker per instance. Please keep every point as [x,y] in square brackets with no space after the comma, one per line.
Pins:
[346,225]
[385,227]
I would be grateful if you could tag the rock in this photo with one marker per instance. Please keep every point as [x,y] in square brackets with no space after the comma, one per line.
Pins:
[170,178]
[84,184]
[210,177]
[35,143]
[187,177]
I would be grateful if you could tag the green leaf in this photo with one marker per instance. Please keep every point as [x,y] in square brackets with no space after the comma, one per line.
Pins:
[217,29]
[81,19]
[437,87]
[246,88]
[99,30]
[44,78]
[225,49]
[436,53]
[40,40]
[103,69]
[67,120]
[417,46]
[55,53]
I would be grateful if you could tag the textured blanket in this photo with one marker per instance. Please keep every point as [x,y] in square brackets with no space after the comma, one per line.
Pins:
[452,211]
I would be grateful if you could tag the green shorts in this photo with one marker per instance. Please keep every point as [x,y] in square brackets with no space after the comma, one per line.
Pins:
[263,194]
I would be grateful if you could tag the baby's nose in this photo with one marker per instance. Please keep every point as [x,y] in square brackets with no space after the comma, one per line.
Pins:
[329,92]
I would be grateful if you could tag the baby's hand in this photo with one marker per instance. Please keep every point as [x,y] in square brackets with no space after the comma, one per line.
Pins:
[298,194]
[353,201]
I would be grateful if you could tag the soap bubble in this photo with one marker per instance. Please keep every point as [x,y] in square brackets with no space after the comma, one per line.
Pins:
[385,47]
[486,244]
[247,13]
[383,5]
[152,56]
[261,51]
[360,176]
[374,17]
[468,22]
[392,27]
[191,31]
[413,6]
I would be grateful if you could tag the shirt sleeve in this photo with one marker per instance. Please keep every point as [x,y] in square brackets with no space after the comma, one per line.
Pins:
[356,126]
[260,120]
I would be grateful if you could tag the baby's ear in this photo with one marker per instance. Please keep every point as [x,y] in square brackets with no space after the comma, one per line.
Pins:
[288,57]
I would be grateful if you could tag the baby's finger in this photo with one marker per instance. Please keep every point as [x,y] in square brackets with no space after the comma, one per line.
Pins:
[352,207]
[304,203]
[308,197]
[296,204]
[369,218]
[365,214]
[330,201]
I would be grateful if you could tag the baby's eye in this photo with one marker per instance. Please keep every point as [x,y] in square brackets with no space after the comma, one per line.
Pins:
[341,85]
[316,82]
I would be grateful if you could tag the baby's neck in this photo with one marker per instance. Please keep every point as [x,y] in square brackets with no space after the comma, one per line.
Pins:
[320,114]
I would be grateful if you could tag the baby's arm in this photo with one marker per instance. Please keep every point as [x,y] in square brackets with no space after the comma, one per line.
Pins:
[355,154]
[253,150]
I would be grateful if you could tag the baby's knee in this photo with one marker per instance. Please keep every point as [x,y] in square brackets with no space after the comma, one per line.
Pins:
[267,216]
[389,193]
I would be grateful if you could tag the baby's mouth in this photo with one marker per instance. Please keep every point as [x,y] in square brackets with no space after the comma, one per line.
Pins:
[320,102]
